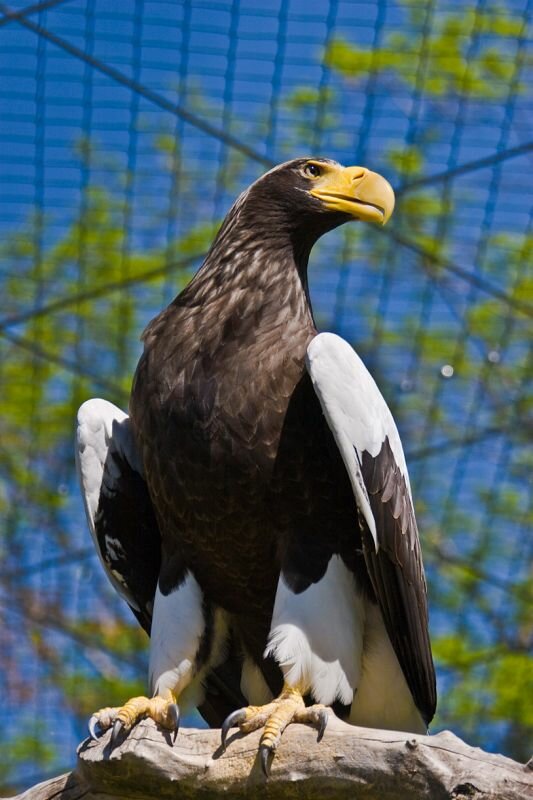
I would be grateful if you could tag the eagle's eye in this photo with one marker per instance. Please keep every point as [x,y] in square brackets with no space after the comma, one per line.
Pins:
[312,171]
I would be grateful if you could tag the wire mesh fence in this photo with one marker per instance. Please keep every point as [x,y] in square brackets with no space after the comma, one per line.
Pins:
[127,129]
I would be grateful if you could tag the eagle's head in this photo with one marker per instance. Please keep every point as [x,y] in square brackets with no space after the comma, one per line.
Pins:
[284,212]
[321,192]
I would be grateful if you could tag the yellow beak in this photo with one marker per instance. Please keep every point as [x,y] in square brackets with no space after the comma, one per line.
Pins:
[356,191]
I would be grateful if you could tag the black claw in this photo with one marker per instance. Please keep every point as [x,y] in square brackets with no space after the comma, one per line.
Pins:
[265,752]
[174,714]
[115,734]
[94,733]
[322,723]
[233,719]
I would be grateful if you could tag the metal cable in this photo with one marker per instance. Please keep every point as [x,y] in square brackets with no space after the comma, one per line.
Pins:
[34,8]
[149,94]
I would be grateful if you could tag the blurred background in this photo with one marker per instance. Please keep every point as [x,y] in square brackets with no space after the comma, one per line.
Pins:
[127,128]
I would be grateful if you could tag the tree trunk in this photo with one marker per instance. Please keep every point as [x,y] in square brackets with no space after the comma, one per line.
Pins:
[350,762]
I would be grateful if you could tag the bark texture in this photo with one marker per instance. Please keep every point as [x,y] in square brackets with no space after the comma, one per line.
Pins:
[350,762]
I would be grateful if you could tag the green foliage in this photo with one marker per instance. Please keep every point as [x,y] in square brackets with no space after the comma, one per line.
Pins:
[484,75]
[313,111]
[490,686]
[98,691]
[87,268]
[88,283]
[25,748]
[407,161]
[107,283]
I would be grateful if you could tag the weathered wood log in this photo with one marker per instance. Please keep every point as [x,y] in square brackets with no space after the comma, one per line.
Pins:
[350,763]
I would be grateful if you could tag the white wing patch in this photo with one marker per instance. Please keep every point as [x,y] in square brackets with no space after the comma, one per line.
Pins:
[355,410]
[307,628]
[100,425]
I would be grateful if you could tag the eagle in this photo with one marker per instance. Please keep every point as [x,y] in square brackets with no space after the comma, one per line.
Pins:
[253,508]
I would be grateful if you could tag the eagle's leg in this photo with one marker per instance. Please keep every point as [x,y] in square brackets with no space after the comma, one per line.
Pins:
[274,718]
[163,709]
[176,660]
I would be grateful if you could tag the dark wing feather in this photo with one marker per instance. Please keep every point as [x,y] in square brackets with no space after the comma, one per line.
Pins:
[370,447]
[397,574]
[128,535]
[119,510]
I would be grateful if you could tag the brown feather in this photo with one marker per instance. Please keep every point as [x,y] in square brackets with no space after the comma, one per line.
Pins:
[242,469]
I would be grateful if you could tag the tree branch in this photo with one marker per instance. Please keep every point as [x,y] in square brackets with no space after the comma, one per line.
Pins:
[350,762]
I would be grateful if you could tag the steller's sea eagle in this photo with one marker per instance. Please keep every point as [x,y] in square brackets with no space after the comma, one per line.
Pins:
[254,508]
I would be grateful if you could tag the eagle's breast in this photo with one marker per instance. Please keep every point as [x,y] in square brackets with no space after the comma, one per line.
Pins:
[209,405]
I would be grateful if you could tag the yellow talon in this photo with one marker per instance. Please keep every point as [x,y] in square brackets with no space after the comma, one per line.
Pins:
[285,707]
[274,717]
[163,710]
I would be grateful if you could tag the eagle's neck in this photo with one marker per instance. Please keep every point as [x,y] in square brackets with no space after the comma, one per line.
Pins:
[255,266]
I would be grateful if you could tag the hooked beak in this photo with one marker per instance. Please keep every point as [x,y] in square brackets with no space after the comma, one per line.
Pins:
[356,191]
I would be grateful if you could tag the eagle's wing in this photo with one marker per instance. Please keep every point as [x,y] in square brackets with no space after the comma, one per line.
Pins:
[126,535]
[368,441]
[119,510]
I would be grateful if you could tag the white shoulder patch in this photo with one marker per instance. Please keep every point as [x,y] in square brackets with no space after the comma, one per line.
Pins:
[307,628]
[355,410]
[102,428]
